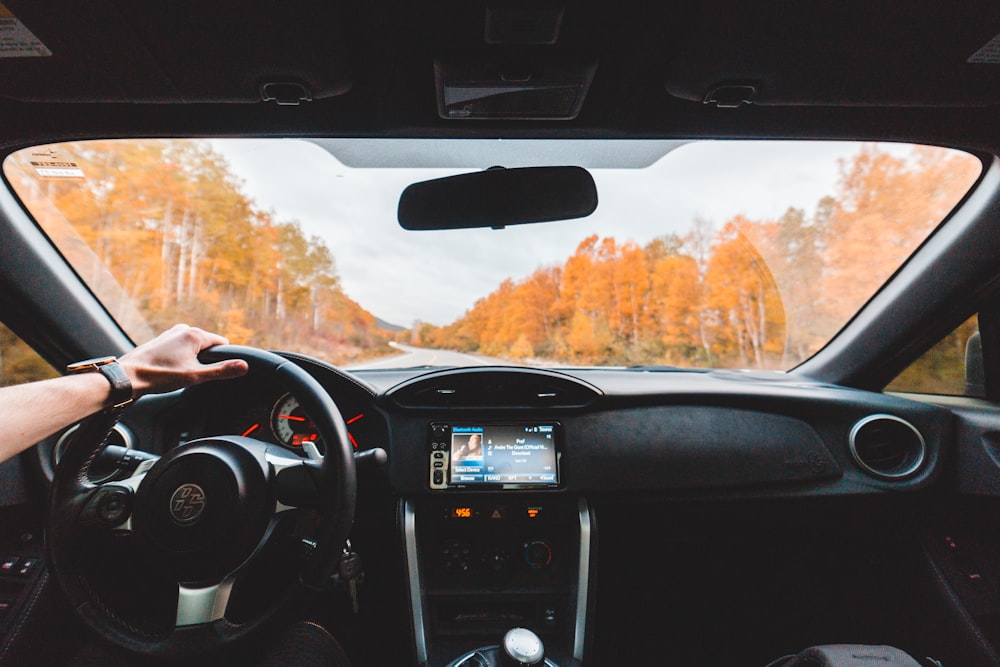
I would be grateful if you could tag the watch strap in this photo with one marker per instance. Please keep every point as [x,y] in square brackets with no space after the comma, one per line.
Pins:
[121,385]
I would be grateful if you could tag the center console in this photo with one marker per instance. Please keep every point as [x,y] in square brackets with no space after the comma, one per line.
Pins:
[496,542]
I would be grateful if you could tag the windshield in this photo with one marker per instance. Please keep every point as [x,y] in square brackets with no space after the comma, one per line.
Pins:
[709,254]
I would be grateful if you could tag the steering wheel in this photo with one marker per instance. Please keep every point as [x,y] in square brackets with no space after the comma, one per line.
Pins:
[205,509]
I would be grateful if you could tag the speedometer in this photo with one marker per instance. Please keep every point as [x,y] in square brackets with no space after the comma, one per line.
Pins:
[291,426]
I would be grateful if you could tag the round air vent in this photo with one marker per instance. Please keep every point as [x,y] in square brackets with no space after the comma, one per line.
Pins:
[887,447]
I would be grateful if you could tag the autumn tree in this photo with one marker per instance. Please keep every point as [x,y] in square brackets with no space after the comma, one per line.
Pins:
[163,232]
[756,293]
[750,319]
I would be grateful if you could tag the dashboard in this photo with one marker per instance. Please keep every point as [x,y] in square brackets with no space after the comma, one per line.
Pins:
[606,431]
[494,472]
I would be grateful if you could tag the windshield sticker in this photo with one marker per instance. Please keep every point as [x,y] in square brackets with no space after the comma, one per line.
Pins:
[16,41]
[55,163]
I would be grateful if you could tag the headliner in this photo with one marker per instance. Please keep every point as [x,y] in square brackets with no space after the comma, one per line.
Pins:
[853,70]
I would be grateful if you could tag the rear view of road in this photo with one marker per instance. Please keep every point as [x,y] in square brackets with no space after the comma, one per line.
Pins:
[410,356]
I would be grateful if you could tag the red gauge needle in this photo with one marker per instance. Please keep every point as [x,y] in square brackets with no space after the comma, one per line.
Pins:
[251,430]
[356,418]
[292,418]
[353,441]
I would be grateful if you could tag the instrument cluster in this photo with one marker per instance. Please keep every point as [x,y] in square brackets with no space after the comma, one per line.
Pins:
[255,408]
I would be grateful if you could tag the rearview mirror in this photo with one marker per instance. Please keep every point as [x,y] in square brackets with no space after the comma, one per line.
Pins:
[498,197]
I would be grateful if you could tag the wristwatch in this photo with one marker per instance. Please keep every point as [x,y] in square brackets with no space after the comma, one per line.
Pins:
[121,386]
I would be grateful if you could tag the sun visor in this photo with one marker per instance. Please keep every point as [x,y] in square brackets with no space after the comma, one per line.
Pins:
[542,88]
[814,54]
[178,51]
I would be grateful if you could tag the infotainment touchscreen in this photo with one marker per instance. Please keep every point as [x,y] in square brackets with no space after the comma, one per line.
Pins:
[503,454]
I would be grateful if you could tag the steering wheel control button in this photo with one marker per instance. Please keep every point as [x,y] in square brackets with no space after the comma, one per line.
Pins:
[187,504]
[9,564]
[114,506]
[108,506]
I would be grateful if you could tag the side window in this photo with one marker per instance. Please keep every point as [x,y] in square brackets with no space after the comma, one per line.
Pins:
[18,362]
[942,369]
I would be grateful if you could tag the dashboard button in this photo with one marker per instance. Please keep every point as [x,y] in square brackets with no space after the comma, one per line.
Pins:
[28,567]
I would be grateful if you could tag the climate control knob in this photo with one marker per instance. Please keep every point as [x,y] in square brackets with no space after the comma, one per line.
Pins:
[537,554]
[496,566]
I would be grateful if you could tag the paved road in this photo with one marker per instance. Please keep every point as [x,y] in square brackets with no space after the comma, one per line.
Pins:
[422,356]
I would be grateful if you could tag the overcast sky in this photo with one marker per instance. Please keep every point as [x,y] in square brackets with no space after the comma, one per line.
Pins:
[404,276]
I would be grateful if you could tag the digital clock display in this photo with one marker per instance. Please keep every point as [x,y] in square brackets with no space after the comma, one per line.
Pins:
[461,513]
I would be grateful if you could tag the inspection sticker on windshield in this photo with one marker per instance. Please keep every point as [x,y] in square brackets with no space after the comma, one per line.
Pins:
[54,163]
[16,41]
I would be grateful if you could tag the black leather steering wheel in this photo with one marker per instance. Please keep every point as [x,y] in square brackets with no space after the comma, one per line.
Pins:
[205,509]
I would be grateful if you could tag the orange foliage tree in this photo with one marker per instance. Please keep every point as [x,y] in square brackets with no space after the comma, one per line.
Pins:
[754,294]
[182,242]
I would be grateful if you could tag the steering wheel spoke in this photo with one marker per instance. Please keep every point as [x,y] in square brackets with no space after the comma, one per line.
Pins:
[296,482]
[203,605]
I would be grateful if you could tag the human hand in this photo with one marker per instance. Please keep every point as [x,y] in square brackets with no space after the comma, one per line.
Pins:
[170,361]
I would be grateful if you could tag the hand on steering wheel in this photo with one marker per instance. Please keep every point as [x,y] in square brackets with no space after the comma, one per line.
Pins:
[206,508]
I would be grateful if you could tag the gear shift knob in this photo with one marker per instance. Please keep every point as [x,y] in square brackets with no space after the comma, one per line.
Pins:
[521,648]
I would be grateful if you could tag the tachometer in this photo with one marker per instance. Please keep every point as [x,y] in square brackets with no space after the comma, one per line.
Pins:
[291,426]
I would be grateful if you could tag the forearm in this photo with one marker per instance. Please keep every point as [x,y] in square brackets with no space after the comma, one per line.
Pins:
[31,412]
